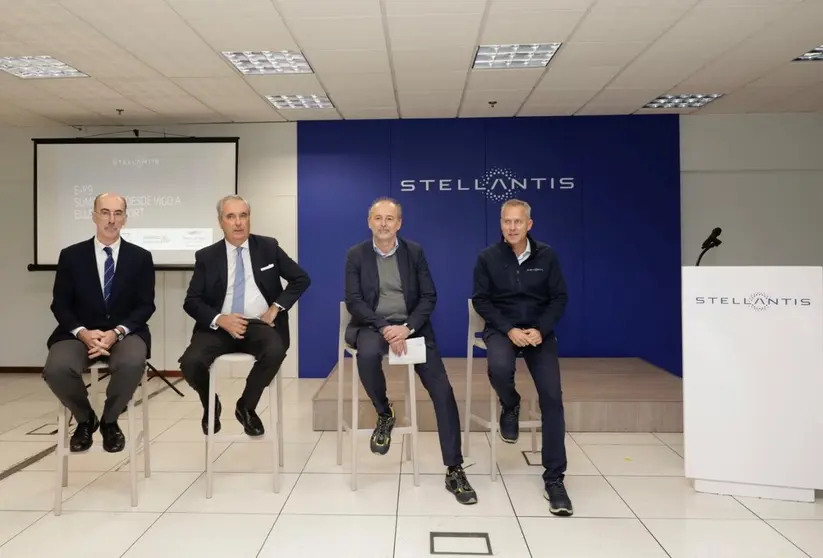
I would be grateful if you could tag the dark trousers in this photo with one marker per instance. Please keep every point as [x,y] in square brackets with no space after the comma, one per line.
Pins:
[544,367]
[260,340]
[372,347]
[68,360]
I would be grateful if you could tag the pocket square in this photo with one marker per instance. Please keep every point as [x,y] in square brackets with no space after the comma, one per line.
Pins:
[264,268]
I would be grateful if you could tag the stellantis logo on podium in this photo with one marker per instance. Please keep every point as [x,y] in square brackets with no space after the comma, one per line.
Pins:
[758,302]
[497,184]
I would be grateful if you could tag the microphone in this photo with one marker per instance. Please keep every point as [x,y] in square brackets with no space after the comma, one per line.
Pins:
[713,241]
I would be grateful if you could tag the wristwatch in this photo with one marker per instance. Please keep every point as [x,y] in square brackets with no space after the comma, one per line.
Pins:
[119,333]
[411,331]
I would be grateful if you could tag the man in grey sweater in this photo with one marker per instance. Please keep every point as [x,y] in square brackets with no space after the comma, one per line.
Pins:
[390,296]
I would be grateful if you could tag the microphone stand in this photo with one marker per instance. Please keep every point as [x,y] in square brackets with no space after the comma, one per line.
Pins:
[715,243]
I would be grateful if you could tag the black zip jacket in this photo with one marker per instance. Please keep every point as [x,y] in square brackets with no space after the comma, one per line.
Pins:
[528,295]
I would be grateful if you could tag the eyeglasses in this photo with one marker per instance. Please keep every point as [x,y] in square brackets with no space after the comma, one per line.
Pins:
[107,214]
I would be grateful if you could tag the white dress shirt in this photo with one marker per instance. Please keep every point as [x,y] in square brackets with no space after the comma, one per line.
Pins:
[254,303]
[526,253]
[100,256]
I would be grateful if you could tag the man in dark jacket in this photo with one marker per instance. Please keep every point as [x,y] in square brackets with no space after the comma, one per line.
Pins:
[103,300]
[520,292]
[390,296]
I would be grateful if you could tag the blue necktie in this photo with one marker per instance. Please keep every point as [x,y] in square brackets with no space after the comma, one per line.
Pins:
[108,274]
[238,300]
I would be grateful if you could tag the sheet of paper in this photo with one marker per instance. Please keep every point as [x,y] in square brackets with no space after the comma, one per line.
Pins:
[415,352]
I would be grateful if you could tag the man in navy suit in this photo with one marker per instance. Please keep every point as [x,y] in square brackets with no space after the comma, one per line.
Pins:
[390,296]
[239,305]
[103,299]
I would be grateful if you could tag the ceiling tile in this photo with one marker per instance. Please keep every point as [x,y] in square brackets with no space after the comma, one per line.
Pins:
[431,32]
[350,33]
[530,27]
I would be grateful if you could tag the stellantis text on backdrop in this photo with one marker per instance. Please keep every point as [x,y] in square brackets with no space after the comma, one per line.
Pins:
[449,184]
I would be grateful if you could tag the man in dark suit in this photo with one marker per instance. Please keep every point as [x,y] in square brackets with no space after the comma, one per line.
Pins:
[520,292]
[390,296]
[103,299]
[239,305]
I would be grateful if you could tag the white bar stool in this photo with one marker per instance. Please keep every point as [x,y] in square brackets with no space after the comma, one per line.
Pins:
[274,434]
[135,442]
[408,426]
[477,325]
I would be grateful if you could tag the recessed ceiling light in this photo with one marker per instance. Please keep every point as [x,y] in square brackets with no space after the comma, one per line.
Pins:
[816,55]
[300,101]
[682,101]
[30,67]
[268,62]
[499,57]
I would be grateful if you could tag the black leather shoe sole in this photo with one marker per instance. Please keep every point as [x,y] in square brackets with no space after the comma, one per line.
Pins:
[204,422]
[249,428]
[78,444]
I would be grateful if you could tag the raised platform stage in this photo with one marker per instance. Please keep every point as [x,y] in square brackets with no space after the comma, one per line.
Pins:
[600,395]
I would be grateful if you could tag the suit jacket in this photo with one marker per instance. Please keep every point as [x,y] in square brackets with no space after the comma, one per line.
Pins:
[77,298]
[363,288]
[208,285]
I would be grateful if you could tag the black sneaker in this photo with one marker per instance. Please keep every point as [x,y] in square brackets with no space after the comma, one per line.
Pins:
[381,437]
[559,501]
[509,424]
[458,484]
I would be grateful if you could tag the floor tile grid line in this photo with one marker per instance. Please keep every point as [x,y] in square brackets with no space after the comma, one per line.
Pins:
[286,500]
[502,479]
[399,484]
[161,514]
[643,523]
[33,523]
[772,527]
[32,459]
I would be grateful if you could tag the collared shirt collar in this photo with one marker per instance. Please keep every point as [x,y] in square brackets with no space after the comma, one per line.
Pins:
[232,249]
[390,252]
[98,246]
[526,253]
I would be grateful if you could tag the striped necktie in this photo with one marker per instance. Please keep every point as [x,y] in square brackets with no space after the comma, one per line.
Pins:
[238,301]
[108,274]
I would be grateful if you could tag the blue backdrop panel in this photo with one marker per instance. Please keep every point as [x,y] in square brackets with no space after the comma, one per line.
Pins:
[433,165]
[541,162]
[608,202]
[632,238]
[340,171]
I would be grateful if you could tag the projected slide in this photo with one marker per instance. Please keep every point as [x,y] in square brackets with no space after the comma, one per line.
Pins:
[171,190]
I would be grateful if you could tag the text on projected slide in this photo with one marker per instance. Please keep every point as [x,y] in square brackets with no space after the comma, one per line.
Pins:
[152,238]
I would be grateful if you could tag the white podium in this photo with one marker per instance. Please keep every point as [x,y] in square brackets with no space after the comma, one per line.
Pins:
[753,380]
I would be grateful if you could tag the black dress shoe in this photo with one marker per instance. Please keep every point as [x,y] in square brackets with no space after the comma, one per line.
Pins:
[218,408]
[252,425]
[113,439]
[81,439]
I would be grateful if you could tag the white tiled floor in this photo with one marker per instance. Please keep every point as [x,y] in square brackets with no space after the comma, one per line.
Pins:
[630,497]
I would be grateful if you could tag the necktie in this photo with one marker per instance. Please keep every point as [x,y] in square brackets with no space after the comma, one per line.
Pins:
[238,300]
[108,274]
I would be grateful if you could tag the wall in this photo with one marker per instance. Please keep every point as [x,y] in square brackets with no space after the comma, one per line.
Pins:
[608,202]
[759,178]
[267,179]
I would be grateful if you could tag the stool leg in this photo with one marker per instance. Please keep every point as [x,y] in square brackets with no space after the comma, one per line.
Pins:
[407,403]
[275,432]
[355,411]
[95,388]
[341,368]
[411,395]
[493,433]
[132,443]
[467,417]
[146,436]
[280,439]
[60,476]
[532,416]
[210,436]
